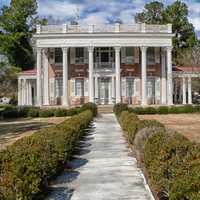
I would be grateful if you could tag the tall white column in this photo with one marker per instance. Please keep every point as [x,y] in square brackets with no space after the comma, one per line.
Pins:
[91,74]
[184,90]
[169,76]
[96,89]
[46,77]
[118,74]
[30,93]
[113,88]
[65,77]
[39,81]
[163,77]
[19,92]
[144,75]
[189,90]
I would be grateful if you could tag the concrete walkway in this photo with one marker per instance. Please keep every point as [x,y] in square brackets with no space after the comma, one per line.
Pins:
[104,168]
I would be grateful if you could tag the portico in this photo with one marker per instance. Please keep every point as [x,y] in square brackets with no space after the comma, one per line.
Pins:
[118,63]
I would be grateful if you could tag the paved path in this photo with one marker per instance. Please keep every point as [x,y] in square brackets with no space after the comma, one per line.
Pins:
[104,169]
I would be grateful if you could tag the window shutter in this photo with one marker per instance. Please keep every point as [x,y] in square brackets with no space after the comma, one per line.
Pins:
[85,55]
[157,55]
[86,87]
[137,87]
[52,56]
[136,55]
[157,89]
[123,87]
[123,54]
[73,87]
[72,55]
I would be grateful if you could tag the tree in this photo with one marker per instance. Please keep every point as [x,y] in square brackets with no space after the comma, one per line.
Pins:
[177,15]
[17,23]
[152,14]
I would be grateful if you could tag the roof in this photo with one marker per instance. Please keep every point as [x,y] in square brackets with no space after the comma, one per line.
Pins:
[186,69]
[31,72]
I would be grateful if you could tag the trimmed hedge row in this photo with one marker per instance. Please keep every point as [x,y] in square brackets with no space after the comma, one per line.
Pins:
[118,108]
[17,112]
[27,165]
[171,160]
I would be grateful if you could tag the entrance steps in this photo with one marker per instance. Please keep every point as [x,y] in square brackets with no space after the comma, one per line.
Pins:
[105,108]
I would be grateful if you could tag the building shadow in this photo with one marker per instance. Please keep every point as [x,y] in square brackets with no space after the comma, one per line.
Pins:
[63,187]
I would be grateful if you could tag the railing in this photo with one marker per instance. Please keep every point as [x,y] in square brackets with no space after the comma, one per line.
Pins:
[105,28]
[104,66]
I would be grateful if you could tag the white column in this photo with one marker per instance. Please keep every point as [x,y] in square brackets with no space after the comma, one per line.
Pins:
[65,77]
[113,88]
[118,74]
[30,92]
[39,85]
[169,76]
[46,77]
[91,66]
[189,90]
[19,92]
[184,90]
[163,77]
[96,88]
[144,75]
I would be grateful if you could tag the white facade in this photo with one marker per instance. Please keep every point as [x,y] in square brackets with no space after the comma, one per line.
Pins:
[104,64]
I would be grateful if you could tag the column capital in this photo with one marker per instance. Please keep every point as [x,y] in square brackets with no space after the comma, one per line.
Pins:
[143,48]
[65,49]
[117,48]
[169,48]
[91,49]
[39,49]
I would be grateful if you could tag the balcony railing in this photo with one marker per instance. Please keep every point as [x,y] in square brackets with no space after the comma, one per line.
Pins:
[104,67]
[106,28]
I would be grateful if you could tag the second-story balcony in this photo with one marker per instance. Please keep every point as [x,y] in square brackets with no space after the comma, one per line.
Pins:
[104,67]
[104,28]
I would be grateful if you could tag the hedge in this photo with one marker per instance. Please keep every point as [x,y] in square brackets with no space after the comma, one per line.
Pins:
[118,108]
[171,160]
[27,165]
[9,112]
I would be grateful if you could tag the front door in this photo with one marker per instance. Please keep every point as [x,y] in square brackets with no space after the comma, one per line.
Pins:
[129,89]
[151,90]
[104,90]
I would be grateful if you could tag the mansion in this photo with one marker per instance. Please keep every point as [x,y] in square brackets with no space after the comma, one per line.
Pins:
[105,64]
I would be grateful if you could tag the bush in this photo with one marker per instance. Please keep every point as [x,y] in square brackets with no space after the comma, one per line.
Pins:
[60,112]
[33,112]
[90,106]
[149,123]
[46,113]
[119,107]
[27,165]
[10,113]
[138,110]
[163,110]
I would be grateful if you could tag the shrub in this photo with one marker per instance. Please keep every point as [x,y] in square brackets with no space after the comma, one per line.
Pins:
[129,123]
[149,123]
[60,112]
[90,106]
[150,110]
[162,110]
[119,107]
[46,113]
[10,113]
[138,110]
[33,112]
[27,165]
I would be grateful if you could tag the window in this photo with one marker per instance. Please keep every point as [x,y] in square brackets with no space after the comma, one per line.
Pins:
[79,55]
[104,57]
[129,55]
[79,87]
[58,55]
[59,87]
[151,55]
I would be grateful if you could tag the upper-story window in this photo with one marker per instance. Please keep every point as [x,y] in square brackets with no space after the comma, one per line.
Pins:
[79,55]
[58,55]
[129,55]
[151,55]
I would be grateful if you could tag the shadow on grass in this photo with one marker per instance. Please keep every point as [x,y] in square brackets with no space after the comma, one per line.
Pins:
[62,187]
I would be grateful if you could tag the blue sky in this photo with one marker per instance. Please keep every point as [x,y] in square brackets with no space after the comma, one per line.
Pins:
[106,11]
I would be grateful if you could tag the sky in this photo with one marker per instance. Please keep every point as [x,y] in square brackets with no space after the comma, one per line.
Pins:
[105,11]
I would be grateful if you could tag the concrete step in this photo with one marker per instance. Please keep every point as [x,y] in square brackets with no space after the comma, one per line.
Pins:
[105,109]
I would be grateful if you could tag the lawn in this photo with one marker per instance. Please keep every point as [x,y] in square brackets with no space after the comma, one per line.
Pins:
[12,130]
[186,124]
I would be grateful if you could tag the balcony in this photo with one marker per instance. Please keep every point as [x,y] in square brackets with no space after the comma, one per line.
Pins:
[104,28]
[104,67]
